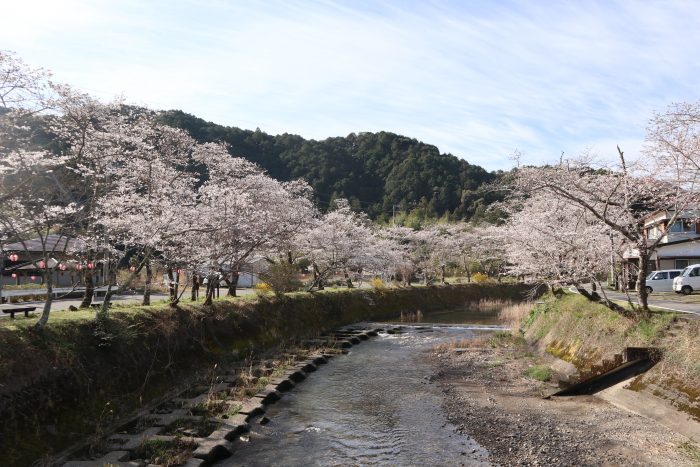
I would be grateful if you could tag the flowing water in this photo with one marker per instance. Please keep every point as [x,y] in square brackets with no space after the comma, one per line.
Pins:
[376,405]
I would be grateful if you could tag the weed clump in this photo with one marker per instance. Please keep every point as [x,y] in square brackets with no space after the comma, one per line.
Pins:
[377,284]
[539,373]
[165,453]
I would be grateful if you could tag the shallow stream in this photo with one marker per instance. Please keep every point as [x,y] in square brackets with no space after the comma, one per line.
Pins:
[376,405]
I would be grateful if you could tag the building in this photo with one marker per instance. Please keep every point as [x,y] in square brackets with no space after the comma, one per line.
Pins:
[250,271]
[679,244]
[22,262]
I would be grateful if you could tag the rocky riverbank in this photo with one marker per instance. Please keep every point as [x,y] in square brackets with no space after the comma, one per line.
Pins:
[488,397]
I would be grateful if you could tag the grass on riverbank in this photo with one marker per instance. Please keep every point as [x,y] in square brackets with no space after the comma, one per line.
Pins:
[574,329]
[681,356]
[581,332]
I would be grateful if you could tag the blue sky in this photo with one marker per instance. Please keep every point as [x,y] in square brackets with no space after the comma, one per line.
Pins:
[479,79]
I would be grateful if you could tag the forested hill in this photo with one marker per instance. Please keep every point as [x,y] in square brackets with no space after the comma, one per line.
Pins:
[373,170]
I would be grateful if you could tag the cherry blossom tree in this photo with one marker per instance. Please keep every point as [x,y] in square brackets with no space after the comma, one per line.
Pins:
[337,243]
[33,199]
[22,88]
[243,210]
[464,242]
[617,196]
[557,242]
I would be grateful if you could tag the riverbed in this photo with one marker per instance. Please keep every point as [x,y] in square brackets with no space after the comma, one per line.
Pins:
[444,394]
[377,405]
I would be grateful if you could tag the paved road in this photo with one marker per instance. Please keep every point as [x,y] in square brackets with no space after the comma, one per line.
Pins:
[659,300]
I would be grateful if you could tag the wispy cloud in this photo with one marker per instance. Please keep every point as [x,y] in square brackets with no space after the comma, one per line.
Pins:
[477,79]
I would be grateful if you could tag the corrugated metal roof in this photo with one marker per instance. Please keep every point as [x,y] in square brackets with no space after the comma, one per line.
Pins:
[54,243]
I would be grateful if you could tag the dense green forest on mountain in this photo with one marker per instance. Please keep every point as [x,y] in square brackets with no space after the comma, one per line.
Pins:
[377,172]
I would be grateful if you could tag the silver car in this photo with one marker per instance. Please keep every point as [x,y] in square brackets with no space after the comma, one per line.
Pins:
[662,281]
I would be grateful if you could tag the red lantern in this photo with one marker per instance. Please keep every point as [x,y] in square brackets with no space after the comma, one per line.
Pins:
[132,269]
[33,278]
[62,267]
[42,264]
[14,257]
[79,267]
[14,275]
[90,266]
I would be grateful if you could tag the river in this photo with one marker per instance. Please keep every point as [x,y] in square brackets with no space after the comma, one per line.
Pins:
[376,405]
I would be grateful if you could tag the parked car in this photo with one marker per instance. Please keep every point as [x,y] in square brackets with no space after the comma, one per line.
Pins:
[688,281]
[662,281]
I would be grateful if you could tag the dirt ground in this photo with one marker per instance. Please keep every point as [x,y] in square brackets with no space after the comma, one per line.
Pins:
[488,397]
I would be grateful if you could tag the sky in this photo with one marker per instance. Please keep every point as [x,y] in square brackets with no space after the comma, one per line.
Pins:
[478,79]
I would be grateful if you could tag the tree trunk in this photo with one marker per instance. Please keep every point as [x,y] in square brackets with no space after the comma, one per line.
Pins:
[318,279]
[233,283]
[89,289]
[210,290]
[594,297]
[147,286]
[641,279]
[348,282]
[44,318]
[443,273]
[195,287]
[172,285]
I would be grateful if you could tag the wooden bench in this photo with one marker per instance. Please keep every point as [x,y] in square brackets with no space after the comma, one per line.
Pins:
[18,309]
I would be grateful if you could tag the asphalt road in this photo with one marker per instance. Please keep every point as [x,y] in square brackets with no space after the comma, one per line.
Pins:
[661,300]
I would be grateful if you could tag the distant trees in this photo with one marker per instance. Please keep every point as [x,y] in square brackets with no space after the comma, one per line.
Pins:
[373,171]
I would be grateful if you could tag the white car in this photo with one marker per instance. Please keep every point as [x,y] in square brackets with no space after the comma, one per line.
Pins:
[662,281]
[688,281]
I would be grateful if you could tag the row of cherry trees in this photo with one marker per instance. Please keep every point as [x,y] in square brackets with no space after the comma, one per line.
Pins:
[118,182]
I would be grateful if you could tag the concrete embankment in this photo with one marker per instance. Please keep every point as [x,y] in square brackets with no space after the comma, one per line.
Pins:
[78,376]
[592,338]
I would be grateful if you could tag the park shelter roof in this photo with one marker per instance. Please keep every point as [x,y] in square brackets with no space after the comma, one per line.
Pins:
[55,243]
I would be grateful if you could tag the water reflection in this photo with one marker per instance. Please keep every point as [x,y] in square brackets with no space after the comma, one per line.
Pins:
[466,315]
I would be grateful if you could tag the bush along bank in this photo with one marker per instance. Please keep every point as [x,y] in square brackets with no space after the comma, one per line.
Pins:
[584,333]
[77,376]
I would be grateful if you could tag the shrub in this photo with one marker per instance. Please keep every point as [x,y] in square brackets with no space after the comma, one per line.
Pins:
[377,283]
[262,288]
[480,278]
[282,278]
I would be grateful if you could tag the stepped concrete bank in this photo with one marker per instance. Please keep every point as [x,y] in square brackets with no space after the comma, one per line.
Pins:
[79,377]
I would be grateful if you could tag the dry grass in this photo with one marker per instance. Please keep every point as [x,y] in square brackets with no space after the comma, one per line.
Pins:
[513,315]
[463,343]
[682,354]
[410,317]
[492,304]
